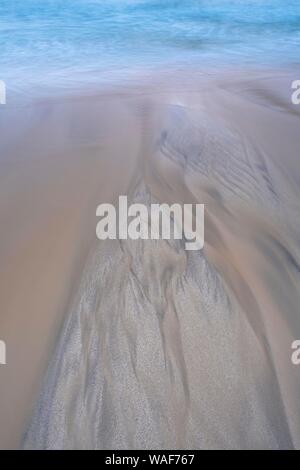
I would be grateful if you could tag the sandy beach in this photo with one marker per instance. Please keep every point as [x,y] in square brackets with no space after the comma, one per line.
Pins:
[138,343]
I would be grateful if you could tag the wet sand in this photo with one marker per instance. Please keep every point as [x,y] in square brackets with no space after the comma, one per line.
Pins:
[141,344]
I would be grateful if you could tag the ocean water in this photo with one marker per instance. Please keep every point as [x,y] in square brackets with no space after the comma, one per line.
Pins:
[63,42]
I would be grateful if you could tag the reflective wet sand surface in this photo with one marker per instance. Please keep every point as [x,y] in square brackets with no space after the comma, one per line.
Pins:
[140,343]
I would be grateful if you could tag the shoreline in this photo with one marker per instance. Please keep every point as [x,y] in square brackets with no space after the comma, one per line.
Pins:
[157,79]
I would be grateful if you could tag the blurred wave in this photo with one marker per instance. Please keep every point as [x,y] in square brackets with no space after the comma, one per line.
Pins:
[62,41]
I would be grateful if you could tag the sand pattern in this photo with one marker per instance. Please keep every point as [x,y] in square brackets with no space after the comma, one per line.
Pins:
[165,348]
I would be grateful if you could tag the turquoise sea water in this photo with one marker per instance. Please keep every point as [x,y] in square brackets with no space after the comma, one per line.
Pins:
[62,41]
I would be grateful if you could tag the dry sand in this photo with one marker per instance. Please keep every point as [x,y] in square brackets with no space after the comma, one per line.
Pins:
[141,344]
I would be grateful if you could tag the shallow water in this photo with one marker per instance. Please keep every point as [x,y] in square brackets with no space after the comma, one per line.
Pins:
[62,42]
